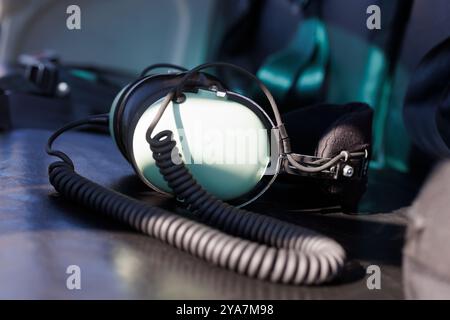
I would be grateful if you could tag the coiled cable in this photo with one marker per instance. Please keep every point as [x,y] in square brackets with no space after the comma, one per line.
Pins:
[242,241]
[248,243]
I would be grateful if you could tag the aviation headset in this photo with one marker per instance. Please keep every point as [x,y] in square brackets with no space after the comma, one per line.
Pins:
[249,243]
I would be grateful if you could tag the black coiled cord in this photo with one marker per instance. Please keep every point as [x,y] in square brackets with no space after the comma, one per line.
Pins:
[271,249]
[248,243]
[294,254]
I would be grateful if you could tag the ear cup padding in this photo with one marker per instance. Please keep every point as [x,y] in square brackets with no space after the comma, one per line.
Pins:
[140,95]
[324,130]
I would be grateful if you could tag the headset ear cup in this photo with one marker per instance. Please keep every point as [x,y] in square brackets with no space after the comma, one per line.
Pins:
[131,102]
[330,128]
[228,158]
[135,98]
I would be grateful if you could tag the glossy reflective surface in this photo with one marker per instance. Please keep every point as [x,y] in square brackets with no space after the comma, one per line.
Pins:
[41,234]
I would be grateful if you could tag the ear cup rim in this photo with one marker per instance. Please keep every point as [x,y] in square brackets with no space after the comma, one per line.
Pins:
[144,92]
[271,171]
[118,112]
